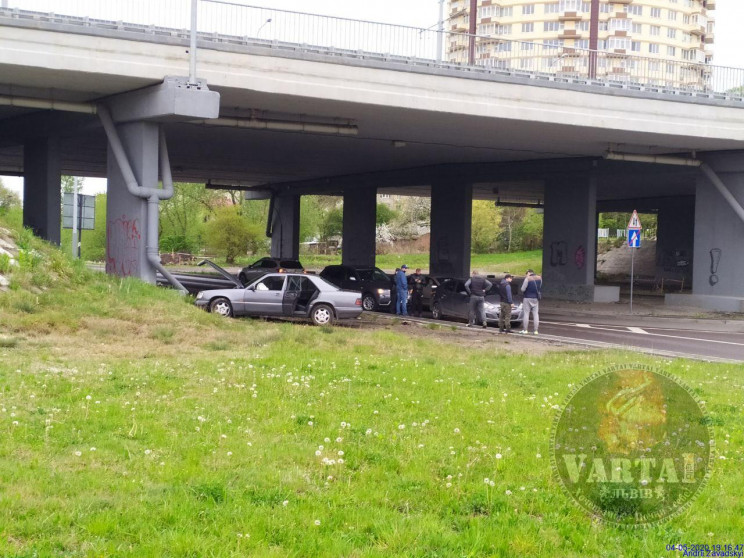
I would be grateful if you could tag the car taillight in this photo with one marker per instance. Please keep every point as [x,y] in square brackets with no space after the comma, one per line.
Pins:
[358,302]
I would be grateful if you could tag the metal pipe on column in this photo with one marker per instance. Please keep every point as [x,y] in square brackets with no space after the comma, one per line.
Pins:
[192,44]
[472,29]
[440,31]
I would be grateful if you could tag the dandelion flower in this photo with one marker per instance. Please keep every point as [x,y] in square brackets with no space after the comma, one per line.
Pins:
[285,503]
[317,522]
[498,456]
[457,430]
[401,427]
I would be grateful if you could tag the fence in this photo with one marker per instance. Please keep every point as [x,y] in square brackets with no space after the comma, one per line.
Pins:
[228,21]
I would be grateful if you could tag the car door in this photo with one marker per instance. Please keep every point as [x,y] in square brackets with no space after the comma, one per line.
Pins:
[291,295]
[445,296]
[352,280]
[460,300]
[264,297]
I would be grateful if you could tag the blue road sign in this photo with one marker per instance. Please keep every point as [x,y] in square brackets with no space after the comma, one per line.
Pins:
[634,238]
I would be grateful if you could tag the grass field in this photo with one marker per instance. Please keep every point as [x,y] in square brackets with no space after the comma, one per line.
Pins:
[135,425]
[515,262]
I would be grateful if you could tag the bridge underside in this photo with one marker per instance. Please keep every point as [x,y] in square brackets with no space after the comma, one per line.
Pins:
[288,143]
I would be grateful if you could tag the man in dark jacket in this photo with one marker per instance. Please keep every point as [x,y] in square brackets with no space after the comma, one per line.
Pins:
[532,291]
[505,293]
[477,286]
[416,283]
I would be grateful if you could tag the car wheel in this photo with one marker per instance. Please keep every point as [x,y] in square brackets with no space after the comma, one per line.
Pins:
[222,307]
[322,314]
[369,303]
[436,311]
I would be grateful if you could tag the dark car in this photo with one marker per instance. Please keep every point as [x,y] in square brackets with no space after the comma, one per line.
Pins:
[268,265]
[372,282]
[431,285]
[453,301]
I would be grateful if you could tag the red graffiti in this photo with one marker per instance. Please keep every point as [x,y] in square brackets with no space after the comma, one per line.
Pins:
[122,247]
[580,257]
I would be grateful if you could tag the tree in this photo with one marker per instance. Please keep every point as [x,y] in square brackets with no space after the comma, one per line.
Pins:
[331,224]
[182,217]
[385,214]
[9,200]
[511,218]
[484,232]
[71,183]
[229,234]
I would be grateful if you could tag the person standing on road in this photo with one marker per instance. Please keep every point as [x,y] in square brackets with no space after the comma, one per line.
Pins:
[532,291]
[401,291]
[505,293]
[416,282]
[477,286]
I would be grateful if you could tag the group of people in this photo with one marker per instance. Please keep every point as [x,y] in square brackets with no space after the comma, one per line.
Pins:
[477,286]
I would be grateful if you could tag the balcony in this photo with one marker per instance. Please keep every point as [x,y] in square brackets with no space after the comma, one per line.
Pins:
[569,34]
[710,5]
[699,24]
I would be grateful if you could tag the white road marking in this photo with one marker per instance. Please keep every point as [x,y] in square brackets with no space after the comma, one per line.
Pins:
[584,325]
[638,330]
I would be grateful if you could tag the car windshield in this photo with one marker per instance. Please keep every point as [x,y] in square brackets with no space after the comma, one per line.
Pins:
[373,274]
[290,264]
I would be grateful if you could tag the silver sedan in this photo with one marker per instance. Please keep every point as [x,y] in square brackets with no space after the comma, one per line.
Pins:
[283,294]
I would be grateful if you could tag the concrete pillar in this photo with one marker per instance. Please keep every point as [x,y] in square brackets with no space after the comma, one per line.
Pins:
[718,258]
[126,215]
[42,198]
[360,222]
[285,236]
[569,241]
[451,215]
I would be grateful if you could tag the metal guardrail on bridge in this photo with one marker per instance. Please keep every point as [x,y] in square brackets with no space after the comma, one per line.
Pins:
[226,21]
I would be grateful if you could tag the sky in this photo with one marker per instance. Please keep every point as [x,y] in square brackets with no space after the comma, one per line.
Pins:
[729,38]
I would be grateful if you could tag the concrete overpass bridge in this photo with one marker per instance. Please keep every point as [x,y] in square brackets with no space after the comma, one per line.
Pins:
[305,104]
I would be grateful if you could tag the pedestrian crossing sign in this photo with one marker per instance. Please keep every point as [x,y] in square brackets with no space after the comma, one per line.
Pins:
[635,222]
[634,238]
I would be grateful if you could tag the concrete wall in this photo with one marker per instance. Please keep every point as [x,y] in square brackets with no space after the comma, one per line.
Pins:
[718,268]
[285,235]
[569,244]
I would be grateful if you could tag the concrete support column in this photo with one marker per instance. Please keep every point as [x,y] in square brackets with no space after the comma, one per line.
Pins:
[126,215]
[718,257]
[569,241]
[360,223]
[285,236]
[451,215]
[675,239]
[42,198]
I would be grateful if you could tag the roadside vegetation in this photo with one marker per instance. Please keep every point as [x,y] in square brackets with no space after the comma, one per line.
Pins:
[135,425]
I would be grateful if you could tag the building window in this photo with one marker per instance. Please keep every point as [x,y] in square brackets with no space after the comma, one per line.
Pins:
[671,33]
[552,8]
[605,8]
[552,26]
[637,28]
[506,12]
[654,30]
[672,15]
[671,51]
[635,46]
[653,48]
[582,43]
[618,43]
[528,9]
[617,24]
[527,46]
[528,27]
[633,9]
[656,12]
[582,26]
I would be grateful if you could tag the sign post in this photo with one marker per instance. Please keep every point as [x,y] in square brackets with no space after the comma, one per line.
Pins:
[78,214]
[634,241]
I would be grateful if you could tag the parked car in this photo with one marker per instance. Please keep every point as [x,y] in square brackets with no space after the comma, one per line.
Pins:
[372,282]
[282,294]
[431,285]
[452,301]
[265,265]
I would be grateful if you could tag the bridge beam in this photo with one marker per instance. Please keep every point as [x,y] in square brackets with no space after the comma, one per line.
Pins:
[569,237]
[285,227]
[451,214]
[360,219]
[42,198]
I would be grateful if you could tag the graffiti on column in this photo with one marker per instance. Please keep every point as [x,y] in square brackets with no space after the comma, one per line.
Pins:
[715,260]
[580,257]
[558,253]
[122,246]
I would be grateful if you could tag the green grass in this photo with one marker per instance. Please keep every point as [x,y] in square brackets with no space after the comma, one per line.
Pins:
[514,262]
[135,425]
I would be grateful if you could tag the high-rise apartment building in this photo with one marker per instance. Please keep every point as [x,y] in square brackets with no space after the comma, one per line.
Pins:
[653,42]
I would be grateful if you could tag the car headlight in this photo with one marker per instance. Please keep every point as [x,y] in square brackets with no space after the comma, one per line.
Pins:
[383,291]
[490,306]
[199,295]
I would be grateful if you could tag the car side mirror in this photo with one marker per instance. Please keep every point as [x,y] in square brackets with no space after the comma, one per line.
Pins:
[251,288]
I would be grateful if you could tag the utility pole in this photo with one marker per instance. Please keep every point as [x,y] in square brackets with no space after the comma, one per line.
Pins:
[472,30]
[593,38]
[192,44]
[440,31]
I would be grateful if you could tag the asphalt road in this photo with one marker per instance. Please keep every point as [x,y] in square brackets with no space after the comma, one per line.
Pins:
[697,339]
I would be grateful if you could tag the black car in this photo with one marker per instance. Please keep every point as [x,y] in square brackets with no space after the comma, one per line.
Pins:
[374,284]
[268,265]
[453,301]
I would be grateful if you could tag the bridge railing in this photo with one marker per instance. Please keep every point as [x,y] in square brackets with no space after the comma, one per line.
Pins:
[233,22]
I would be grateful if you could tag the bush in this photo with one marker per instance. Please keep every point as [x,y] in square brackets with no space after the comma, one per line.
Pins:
[230,235]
